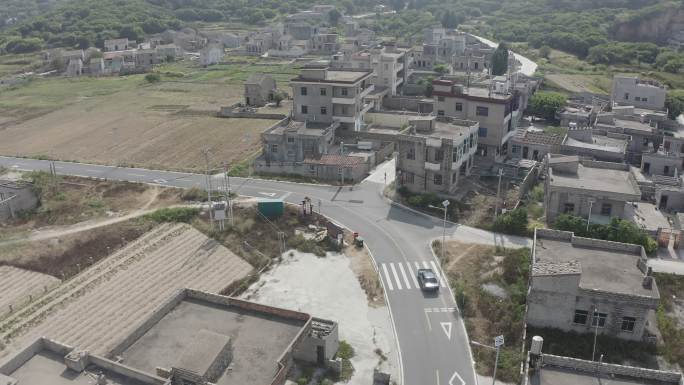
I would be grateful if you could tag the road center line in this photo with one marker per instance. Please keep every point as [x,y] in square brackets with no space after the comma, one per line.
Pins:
[387,277]
[396,276]
[403,274]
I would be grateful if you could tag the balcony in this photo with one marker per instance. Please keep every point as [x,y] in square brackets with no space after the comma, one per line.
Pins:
[351,99]
[432,166]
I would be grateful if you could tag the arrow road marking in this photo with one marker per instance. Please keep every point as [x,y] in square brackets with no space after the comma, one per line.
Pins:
[446,326]
[451,380]
[267,194]
[159,181]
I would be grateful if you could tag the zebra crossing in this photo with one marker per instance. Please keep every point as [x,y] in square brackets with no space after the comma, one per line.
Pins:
[402,275]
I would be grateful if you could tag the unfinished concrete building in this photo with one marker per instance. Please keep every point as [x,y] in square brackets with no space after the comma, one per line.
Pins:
[573,187]
[15,197]
[593,144]
[587,285]
[435,154]
[632,91]
[194,338]
[259,89]
[495,108]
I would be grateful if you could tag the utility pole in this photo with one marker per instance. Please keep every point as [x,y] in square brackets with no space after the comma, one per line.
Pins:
[595,317]
[211,215]
[498,343]
[498,194]
[226,189]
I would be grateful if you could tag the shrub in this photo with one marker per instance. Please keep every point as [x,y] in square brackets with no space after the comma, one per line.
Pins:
[513,222]
[618,230]
[152,78]
[194,194]
[345,351]
[173,214]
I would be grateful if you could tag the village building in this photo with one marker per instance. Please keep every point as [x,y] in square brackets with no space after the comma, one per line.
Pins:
[118,45]
[632,91]
[588,285]
[259,89]
[16,197]
[211,54]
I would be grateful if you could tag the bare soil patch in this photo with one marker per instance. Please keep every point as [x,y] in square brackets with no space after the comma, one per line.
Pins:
[362,265]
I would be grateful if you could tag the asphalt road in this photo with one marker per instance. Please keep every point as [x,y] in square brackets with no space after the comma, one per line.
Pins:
[433,345]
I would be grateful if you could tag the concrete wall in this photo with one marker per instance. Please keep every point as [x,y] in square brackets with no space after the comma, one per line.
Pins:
[661,164]
[611,369]
[675,199]
[25,199]
[630,91]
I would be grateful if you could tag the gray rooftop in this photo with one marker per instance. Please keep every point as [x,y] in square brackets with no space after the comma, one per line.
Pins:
[444,130]
[599,142]
[634,125]
[597,179]
[300,128]
[48,368]
[258,340]
[602,267]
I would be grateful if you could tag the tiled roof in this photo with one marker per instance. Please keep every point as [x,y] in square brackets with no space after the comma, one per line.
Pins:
[556,268]
[524,136]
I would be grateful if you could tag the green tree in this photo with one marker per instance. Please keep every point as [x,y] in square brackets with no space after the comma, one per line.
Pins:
[278,97]
[152,78]
[397,5]
[499,63]
[334,17]
[441,69]
[132,32]
[20,45]
[545,51]
[545,104]
[674,102]
[512,222]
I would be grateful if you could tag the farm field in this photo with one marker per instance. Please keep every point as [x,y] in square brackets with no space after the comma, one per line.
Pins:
[18,285]
[128,121]
[101,305]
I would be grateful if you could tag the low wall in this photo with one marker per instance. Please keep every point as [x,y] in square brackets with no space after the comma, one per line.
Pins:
[611,369]
[402,103]
[125,371]
[14,363]
[227,112]
[394,119]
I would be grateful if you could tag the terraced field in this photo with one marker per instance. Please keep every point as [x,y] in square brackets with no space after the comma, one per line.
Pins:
[99,307]
[17,286]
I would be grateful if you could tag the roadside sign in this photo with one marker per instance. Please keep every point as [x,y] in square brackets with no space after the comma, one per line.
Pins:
[498,341]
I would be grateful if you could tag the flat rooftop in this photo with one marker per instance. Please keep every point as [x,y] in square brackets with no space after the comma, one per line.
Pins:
[647,216]
[48,368]
[301,128]
[634,125]
[602,143]
[550,375]
[603,269]
[335,75]
[596,179]
[443,130]
[258,340]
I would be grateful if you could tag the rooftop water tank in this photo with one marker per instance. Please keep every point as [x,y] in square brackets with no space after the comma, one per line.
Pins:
[537,343]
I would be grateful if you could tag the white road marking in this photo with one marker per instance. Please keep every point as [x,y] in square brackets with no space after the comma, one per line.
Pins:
[159,181]
[455,375]
[267,194]
[403,274]
[437,271]
[425,265]
[413,274]
[396,276]
[446,326]
[387,277]
[417,265]
[141,175]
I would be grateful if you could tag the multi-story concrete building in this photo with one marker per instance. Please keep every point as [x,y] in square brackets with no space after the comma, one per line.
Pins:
[496,109]
[631,91]
[324,95]
[594,144]
[435,154]
[534,144]
[118,45]
[390,65]
[574,187]
[588,285]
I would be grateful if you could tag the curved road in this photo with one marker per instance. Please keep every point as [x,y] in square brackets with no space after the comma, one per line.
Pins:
[433,345]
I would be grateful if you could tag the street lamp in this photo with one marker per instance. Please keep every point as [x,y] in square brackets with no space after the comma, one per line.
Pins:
[596,318]
[591,204]
[445,204]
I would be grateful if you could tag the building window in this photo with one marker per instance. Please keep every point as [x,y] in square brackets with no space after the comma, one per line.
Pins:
[637,99]
[515,149]
[482,111]
[303,91]
[644,99]
[645,141]
[440,98]
[569,208]
[453,177]
[628,324]
[344,92]
[454,156]
[439,155]
[626,95]
[290,140]
[324,110]
[440,112]
[411,153]
[599,318]
[305,109]
[458,107]
[409,177]
[438,179]
[323,92]
[274,148]
[606,209]
[482,132]
[581,317]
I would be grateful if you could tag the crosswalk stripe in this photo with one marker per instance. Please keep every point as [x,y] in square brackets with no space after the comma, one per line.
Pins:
[403,274]
[387,277]
[413,274]
[437,271]
[396,276]
[425,265]
[417,265]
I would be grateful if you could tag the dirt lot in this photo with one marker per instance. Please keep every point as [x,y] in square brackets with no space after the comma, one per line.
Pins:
[78,200]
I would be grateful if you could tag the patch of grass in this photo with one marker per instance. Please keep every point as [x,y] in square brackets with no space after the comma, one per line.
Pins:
[671,287]
[173,214]
[194,194]
[556,130]
[345,351]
